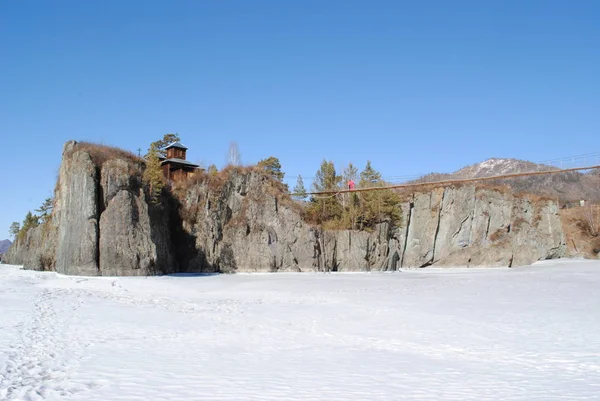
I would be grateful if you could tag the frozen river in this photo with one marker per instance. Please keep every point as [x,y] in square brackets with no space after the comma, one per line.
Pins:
[528,333]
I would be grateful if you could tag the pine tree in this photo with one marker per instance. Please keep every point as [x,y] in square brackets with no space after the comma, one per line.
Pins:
[326,178]
[161,144]
[350,201]
[350,173]
[30,221]
[153,174]
[378,205]
[299,190]
[369,177]
[272,166]
[45,210]
[212,169]
[325,207]
[14,229]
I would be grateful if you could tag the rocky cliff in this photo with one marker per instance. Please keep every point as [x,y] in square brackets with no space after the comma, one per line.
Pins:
[247,225]
[102,223]
[241,221]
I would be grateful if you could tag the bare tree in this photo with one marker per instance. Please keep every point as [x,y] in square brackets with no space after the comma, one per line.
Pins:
[234,156]
[591,216]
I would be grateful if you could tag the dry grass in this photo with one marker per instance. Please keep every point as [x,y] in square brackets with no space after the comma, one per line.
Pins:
[580,240]
[102,153]
[591,219]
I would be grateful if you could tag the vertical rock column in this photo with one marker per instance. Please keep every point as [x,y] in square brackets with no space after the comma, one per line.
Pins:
[77,214]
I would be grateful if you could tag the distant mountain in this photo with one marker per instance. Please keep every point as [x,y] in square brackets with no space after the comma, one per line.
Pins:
[4,245]
[567,186]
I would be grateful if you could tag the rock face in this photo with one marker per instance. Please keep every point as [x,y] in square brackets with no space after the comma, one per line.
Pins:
[130,242]
[76,214]
[103,223]
[35,250]
[243,226]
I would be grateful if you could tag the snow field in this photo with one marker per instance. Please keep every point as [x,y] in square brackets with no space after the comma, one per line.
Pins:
[530,333]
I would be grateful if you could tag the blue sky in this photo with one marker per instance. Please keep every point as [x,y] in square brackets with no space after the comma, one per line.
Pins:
[415,87]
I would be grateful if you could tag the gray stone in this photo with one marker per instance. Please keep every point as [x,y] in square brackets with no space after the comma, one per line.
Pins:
[126,247]
[76,214]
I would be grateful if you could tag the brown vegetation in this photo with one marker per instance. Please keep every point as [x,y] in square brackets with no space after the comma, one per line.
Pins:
[102,153]
[215,182]
[579,234]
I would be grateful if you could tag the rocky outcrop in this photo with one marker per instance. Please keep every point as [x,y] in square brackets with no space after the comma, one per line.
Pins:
[244,225]
[34,250]
[76,214]
[103,223]
[481,227]
[132,241]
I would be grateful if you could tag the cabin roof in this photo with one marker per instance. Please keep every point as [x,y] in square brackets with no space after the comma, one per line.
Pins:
[178,161]
[176,145]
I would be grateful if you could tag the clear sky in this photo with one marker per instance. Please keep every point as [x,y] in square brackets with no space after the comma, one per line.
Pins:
[415,86]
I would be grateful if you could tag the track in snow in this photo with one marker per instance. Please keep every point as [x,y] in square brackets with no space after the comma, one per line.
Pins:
[40,365]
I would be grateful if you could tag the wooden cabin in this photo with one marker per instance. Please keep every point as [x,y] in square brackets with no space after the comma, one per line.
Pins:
[175,166]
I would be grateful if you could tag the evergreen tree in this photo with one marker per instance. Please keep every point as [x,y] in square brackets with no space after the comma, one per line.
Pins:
[212,169]
[14,229]
[273,167]
[325,207]
[369,177]
[30,221]
[45,210]
[350,201]
[161,144]
[299,190]
[378,205]
[326,178]
[153,174]
[350,173]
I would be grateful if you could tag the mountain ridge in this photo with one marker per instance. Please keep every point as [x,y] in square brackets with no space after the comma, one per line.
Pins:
[566,186]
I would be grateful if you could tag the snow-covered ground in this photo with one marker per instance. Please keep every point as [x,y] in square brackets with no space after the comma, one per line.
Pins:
[529,333]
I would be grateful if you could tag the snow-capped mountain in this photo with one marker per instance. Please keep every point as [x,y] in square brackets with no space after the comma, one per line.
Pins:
[567,186]
[498,166]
